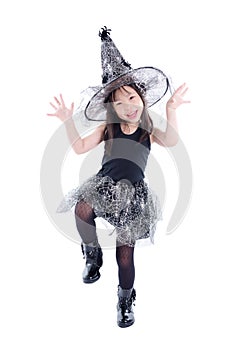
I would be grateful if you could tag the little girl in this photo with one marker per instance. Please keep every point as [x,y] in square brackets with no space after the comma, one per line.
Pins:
[118,192]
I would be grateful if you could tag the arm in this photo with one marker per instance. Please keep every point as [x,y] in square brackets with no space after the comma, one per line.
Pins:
[83,145]
[79,145]
[170,136]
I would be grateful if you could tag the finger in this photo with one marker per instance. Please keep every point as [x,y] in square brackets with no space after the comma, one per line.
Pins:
[72,107]
[184,92]
[58,102]
[53,106]
[180,88]
[184,101]
[62,101]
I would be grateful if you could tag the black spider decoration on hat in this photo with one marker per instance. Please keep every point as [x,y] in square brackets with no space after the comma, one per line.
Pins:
[104,34]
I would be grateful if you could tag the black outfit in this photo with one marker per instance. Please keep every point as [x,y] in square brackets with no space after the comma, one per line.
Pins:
[128,158]
[118,193]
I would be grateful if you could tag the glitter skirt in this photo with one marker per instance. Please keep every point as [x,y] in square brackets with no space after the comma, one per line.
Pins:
[133,209]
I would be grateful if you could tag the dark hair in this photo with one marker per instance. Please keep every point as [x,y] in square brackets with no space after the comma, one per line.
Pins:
[112,119]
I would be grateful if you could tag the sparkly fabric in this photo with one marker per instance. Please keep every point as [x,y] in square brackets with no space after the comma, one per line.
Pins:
[113,63]
[152,82]
[133,210]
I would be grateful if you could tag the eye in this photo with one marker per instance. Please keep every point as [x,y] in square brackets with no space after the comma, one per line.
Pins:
[132,97]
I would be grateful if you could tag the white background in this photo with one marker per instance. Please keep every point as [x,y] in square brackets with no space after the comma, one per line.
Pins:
[185,281]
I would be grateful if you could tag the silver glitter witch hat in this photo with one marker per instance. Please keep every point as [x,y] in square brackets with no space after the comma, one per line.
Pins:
[113,63]
[117,72]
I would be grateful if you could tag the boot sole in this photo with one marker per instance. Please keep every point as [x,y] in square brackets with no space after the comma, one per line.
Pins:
[92,280]
[125,325]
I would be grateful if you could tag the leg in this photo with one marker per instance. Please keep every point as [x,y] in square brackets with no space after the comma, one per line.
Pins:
[85,223]
[126,292]
[125,261]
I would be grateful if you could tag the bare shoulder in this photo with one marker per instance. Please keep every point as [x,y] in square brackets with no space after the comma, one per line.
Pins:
[151,139]
[153,136]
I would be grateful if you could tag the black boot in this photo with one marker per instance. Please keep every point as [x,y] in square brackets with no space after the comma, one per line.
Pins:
[125,316]
[93,255]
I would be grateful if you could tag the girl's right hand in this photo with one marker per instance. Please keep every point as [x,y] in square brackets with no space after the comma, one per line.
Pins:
[61,111]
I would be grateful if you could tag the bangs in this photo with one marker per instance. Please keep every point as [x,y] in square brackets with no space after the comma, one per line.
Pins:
[112,96]
[121,88]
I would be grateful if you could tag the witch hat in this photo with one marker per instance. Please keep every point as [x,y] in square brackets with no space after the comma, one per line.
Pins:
[151,81]
[113,63]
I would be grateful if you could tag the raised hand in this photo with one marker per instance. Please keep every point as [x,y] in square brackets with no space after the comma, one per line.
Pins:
[177,98]
[61,111]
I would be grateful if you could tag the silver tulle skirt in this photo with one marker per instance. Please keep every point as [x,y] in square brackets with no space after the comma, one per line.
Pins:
[132,209]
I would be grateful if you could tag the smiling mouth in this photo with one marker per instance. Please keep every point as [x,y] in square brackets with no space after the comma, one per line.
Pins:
[132,115]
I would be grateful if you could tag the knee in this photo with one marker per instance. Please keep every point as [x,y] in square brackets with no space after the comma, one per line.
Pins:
[77,210]
[83,211]
[125,262]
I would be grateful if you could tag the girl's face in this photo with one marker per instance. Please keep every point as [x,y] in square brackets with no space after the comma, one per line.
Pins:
[128,104]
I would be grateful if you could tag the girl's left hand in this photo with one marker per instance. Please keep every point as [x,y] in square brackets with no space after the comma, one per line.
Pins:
[177,98]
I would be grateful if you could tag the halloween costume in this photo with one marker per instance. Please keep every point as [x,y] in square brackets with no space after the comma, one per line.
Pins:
[118,193]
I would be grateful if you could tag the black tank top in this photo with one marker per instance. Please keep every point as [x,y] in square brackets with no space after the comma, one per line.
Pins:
[128,157]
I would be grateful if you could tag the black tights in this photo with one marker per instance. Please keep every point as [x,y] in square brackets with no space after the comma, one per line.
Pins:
[85,222]
[125,261]
[86,226]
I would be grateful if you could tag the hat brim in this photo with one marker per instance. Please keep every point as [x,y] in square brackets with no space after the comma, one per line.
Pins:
[154,82]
